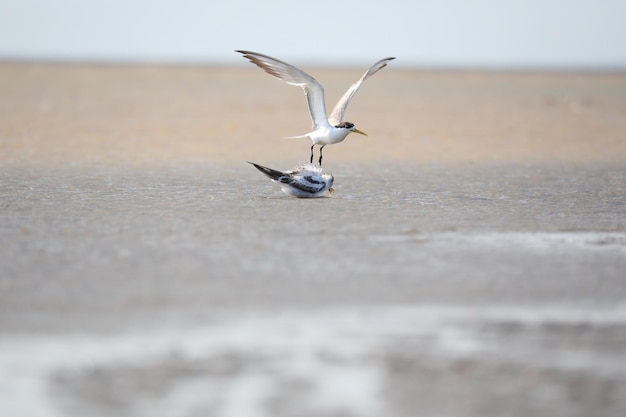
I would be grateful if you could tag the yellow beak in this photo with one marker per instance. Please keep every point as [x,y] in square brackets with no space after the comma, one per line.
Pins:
[355,130]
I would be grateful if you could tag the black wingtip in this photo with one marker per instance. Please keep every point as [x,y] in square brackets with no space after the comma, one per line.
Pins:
[269,172]
[257,166]
[247,54]
[387,60]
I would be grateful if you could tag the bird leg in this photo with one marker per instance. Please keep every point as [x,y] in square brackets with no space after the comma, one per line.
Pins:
[320,161]
[312,146]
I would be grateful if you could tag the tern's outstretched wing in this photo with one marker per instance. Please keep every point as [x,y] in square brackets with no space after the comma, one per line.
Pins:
[336,116]
[313,91]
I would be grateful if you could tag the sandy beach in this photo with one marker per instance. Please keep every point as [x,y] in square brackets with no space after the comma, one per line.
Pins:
[470,263]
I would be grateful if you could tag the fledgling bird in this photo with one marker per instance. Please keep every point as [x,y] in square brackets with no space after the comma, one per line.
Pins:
[327,130]
[306,181]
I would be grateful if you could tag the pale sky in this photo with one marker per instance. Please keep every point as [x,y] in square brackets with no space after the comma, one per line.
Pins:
[431,33]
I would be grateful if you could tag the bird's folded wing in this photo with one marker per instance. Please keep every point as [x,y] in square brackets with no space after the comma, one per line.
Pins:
[307,183]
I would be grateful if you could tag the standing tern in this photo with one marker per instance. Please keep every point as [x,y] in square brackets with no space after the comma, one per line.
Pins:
[306,181]
[326,130]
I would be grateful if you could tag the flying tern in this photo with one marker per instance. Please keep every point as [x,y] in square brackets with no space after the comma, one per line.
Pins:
[327,130]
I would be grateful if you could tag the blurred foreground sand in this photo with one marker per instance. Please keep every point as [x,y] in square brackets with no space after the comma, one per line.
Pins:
[471,262]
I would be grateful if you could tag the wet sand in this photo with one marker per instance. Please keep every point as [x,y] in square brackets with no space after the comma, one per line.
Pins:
[470,263]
